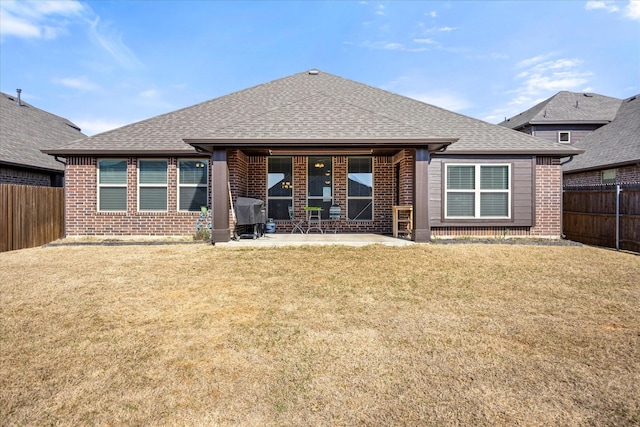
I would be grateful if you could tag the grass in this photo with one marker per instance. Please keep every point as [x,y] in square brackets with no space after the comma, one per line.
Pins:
[421,335]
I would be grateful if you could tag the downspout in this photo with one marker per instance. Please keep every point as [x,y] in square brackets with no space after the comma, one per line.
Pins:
[562,235]
[60,161]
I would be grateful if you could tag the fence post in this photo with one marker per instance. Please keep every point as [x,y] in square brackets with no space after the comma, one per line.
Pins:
[617,217]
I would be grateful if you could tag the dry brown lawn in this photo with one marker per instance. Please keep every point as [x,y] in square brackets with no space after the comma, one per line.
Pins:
[423,335]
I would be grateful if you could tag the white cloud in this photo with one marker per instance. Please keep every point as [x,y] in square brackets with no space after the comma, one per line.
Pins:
[425,41]
[111,41]
[150,94]
[609,6]
[79,83]
[380,10]
[433,14]
[37,19]
[631,10]
[540,77]
[385,45]
[95,126]
[445,100]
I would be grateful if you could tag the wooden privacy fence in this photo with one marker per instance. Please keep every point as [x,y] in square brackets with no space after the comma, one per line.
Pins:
[30,216]
[603,215]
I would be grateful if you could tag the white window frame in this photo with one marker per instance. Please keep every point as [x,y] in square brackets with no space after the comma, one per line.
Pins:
[373,190]
[610,179]
[100,185]
[562,132]
[478,191]
[180,185]
[165,185]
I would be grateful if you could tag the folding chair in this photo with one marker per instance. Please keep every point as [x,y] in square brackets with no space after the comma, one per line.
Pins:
[334,215]
[296,225]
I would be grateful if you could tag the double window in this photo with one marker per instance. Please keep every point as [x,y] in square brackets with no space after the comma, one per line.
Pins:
[360,188]
[478,191]
[152,185]
[112,185]
[280,187]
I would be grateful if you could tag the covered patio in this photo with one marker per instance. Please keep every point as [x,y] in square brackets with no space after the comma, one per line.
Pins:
[398,175]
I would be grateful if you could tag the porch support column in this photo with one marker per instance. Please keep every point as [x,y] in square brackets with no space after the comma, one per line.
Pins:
[421,228]
[219,197]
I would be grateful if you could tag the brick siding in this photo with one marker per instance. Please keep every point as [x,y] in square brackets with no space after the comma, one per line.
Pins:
[248,177]
[81,205]
[11,175]
[624,174]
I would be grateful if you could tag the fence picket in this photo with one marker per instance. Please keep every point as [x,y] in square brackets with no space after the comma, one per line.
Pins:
[30,216]
[589,215]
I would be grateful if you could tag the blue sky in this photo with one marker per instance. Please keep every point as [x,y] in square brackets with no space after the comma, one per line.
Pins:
[104,64]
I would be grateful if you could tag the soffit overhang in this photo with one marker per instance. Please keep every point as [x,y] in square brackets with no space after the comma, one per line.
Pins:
[320,146]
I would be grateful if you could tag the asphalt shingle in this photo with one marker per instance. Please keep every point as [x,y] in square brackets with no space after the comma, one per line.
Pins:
[613,144]
[25,130]
[309,106]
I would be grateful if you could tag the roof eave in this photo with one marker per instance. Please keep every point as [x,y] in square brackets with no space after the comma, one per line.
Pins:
[599,167]
[119,153]
[554,153]
[208,144]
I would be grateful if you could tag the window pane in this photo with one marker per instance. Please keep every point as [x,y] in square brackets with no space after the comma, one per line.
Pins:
[461,177]
[461,204]
[113,198]
[280,183]
[360,209]
[193,172]
[494,204]
[153,171]
[112,171]
[278,209]
[360,177]
[494,177]
[153,199]
[319,177]
[192,198]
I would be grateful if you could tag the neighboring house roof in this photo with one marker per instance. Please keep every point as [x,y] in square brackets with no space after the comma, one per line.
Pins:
[613,145]
[25,130]
[314,107]
[567,108]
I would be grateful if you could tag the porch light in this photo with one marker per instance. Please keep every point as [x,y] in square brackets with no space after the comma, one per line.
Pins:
[199,164]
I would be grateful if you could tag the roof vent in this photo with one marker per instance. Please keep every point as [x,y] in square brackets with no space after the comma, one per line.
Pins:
[19,100]
[314,72]
[588,95]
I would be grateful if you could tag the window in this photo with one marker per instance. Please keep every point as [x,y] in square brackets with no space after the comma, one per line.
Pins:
[152,185]
[192,184]
[112,185]
[609,176]
[320,184]
[564,137]
[360,188]
[478,191]
[279,187]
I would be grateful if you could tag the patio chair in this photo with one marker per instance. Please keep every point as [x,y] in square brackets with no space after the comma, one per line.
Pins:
[334,216]
[297,224]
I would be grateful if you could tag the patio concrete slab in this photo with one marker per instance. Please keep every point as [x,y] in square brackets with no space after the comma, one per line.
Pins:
[288,239]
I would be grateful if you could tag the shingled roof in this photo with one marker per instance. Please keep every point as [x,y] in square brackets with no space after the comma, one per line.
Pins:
[567,107]
[313,107]
[25,130]
[613,145]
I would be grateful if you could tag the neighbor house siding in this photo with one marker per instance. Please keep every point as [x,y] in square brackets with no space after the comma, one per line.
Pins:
[594,177]
[81,206]
[25,176]
[550,132]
